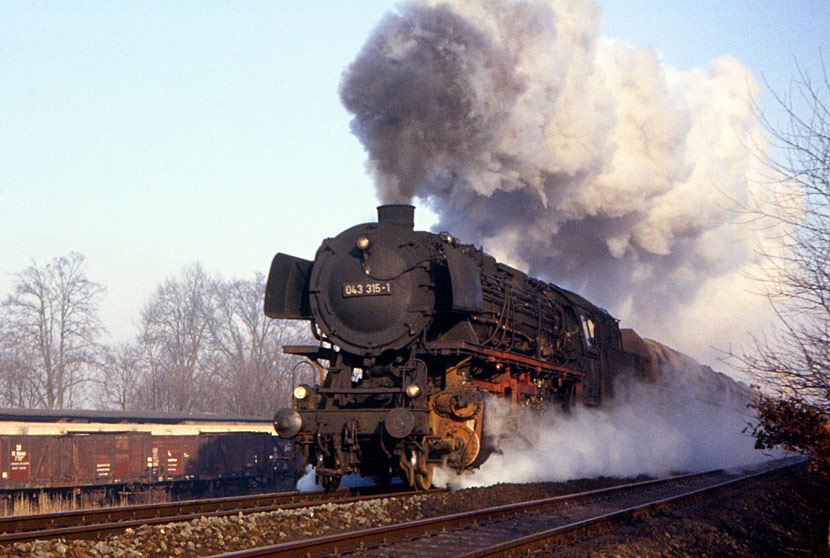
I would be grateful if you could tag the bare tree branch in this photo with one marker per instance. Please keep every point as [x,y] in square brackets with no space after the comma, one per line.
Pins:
[50,330]
[255,375]
[794,361]
[175,327]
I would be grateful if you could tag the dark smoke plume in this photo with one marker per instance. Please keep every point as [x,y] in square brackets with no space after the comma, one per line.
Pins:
[423,91]
[576,158]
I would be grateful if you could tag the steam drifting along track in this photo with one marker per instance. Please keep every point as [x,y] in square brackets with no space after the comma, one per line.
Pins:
[96,523]
[512,529]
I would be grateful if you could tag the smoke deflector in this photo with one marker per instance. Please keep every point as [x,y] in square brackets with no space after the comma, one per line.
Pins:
[286,293]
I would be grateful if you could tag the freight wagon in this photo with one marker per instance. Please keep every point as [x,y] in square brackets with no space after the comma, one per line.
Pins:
[112,453]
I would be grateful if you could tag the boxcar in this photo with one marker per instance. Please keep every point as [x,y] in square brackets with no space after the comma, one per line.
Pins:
[59,451]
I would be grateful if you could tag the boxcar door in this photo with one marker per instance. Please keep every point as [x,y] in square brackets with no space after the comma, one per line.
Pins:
[121,465]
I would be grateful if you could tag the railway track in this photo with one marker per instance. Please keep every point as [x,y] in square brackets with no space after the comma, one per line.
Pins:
[513,529]
[96,523]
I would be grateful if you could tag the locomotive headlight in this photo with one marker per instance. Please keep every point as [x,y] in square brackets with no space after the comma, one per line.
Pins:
[363,243]
[412,390]
[301,392]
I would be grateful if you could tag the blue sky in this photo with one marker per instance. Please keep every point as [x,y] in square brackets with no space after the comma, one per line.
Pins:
[150,135]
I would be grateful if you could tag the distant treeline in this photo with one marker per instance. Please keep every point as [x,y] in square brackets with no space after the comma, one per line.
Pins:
[203,345]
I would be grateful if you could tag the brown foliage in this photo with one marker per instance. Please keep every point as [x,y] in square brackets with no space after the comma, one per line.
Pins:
[793,425]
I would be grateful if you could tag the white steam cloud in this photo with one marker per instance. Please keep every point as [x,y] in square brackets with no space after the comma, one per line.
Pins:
[652,429]
[688,419]
[582,160]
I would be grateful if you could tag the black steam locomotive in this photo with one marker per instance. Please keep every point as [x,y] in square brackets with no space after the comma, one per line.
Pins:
[417,333]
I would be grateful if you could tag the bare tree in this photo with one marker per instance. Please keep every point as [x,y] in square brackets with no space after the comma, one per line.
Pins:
[50,332]
[205,345]
[255,374]
[794,361]
[175,345]
[123,369]
[16,369]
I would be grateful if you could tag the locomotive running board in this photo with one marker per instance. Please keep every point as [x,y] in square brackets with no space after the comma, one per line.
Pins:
[313,352]
[519,362]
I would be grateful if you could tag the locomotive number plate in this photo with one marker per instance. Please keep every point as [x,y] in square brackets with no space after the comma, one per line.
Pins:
[366,289]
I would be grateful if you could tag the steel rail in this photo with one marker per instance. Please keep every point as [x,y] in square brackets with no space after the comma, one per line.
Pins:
[545,539]
[347,542]
[94,523]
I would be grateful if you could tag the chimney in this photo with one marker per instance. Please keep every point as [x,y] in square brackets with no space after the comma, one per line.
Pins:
[401,215]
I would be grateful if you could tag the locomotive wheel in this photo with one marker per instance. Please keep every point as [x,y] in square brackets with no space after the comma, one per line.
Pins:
[423,476]
[329,482]
[418,471]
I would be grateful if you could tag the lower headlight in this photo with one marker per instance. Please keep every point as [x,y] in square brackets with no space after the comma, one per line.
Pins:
[301,392]
[287,422]
[412,390]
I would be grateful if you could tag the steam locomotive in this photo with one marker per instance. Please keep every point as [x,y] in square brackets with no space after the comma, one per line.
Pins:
[418,333]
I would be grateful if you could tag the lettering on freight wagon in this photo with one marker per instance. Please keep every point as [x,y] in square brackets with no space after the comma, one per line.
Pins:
[103,466]
[19,463]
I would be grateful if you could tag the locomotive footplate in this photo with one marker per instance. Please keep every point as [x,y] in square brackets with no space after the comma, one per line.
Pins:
[313,352]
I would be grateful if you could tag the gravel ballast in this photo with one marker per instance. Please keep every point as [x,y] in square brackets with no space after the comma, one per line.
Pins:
[784,515]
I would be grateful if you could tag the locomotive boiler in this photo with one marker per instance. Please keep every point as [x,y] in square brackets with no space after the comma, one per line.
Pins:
[417,334]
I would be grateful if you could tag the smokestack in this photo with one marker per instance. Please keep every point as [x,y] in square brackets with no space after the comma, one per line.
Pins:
[401,215]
